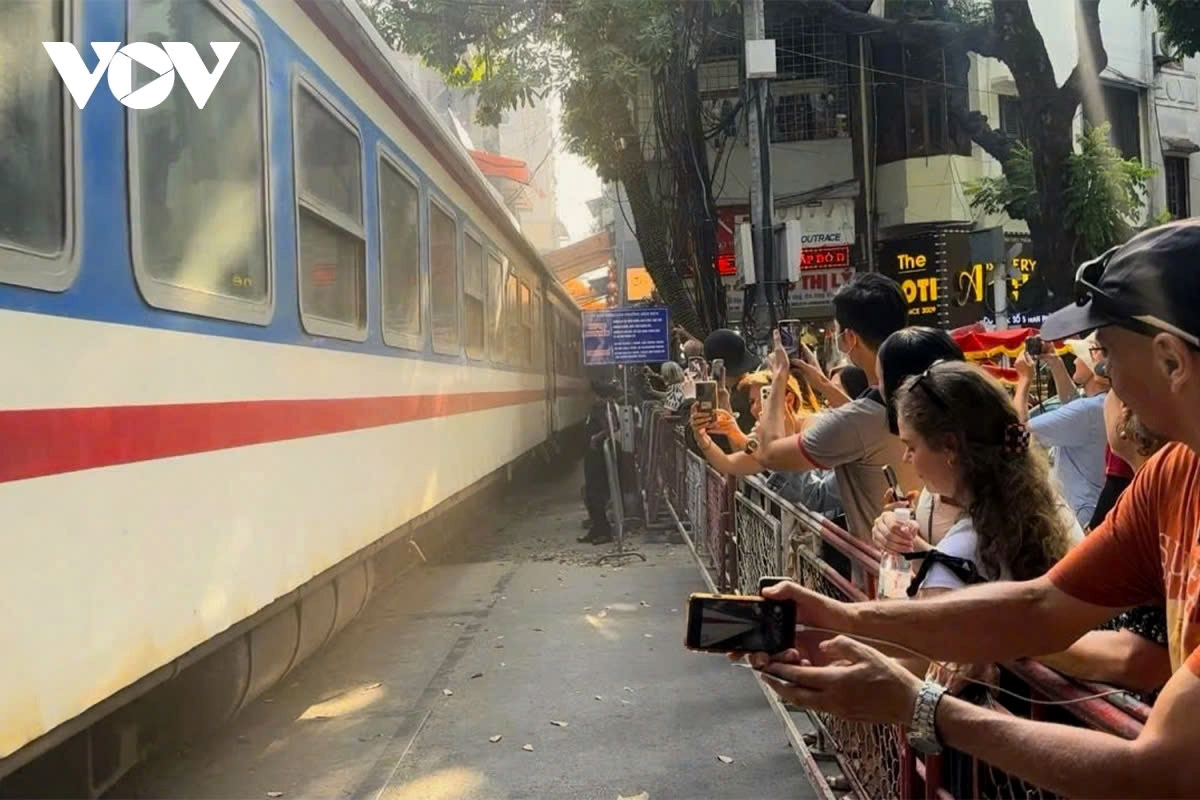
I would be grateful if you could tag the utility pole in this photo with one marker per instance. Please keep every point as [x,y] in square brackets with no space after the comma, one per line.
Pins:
[760,68]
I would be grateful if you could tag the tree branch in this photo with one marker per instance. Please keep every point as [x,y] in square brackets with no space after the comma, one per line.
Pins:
[995,143]
[1093,58]
[976,37]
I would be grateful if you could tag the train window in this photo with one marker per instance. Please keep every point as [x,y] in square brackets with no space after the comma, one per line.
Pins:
[400,244]
[443,279]
[495,307]
[198,179]
[512,321]
[526,325]
[333,267]
[473,298]
[538,333]
[36,159]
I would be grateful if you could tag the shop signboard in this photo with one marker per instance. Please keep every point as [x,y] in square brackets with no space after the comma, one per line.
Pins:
[916,263]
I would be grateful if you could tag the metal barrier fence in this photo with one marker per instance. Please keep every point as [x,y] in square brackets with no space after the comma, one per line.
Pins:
[743,530]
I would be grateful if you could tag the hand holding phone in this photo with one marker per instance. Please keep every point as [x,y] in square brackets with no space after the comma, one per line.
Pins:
[706,396]
[790,331]
[897,492]
[725,623]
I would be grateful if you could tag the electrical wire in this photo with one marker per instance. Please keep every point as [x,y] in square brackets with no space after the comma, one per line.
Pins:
[946,666]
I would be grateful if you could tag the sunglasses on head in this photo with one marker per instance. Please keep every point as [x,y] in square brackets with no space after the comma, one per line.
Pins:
[925,381]
[1087,290]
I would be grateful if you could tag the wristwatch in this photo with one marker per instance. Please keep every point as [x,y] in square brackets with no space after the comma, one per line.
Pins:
[922,732]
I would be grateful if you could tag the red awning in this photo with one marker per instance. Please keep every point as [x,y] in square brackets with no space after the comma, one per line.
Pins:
[981,345]
[496,166]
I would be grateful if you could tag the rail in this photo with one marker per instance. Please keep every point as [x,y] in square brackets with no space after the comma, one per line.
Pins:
[742,530]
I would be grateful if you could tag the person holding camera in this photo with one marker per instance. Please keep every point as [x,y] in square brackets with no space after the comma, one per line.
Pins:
[1075,428]
[1143,298]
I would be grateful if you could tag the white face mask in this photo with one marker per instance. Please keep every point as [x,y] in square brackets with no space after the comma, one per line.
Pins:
[837,343]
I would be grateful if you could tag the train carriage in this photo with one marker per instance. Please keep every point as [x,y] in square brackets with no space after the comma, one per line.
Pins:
[245,343]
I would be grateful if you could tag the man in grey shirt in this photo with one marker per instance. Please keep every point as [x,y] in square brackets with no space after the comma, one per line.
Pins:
[853,440]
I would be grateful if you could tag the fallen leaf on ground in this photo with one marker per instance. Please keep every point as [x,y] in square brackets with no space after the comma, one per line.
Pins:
[448,692]
[626,703]
[598,697]
[644,604]
[539,630]
[494,739]
[477,675]
[648,635]
[527,748]
[725,759]
[274,794]
[558,723]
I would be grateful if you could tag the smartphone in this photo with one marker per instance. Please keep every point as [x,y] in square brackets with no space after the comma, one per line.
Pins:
[718,371]
[790,332]
[768,581]
[723,623]
[764,393]
[890,475]
[706,396]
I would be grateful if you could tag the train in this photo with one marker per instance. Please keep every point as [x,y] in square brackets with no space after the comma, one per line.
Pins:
[247,343]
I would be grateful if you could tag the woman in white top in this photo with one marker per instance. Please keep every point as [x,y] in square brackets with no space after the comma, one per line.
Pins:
[965,441]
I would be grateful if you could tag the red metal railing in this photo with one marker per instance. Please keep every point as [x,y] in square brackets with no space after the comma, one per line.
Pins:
[744,530]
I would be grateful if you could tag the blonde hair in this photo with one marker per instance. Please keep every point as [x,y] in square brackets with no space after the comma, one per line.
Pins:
[806,402]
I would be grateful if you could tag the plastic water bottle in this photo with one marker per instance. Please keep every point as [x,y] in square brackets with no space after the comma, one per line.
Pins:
[894,572]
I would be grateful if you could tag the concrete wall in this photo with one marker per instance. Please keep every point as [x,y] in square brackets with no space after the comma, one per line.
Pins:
[795,167]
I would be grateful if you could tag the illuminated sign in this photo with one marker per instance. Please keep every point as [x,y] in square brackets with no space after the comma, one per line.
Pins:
[913,265]
[824,257]
[638,284]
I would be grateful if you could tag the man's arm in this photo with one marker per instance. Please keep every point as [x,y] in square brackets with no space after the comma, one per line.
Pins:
[1062,379]
[1078,762]
[1122,658]
[986,622]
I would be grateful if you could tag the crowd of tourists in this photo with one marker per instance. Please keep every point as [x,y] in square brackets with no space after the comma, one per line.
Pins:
[1061,528]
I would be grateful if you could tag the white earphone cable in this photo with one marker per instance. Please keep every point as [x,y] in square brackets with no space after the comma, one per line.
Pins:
[944,665]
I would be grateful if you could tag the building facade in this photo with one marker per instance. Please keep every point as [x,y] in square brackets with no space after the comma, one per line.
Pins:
[924,166]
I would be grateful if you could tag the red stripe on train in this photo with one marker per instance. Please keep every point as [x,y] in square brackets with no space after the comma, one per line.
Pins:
[49,441]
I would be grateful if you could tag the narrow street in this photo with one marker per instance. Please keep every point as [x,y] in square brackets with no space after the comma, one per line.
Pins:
[515,669]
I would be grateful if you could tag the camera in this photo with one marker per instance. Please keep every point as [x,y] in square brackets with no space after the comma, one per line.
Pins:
[1034,346]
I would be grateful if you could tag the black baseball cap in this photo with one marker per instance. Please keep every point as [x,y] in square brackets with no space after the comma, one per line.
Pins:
[1150,284]
[726,344]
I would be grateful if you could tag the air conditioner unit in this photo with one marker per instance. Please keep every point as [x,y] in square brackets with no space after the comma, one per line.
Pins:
[743,251]
[791,250]
[1160,51]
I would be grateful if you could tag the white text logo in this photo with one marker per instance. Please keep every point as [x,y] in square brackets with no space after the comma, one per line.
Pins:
[163,61]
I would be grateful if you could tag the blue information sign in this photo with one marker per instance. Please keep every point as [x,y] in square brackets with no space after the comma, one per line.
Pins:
[632,335]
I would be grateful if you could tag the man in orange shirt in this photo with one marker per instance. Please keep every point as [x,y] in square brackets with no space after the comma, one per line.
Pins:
[1143,298]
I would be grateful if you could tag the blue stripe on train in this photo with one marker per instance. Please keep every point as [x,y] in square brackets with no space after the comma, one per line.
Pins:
[105,288]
